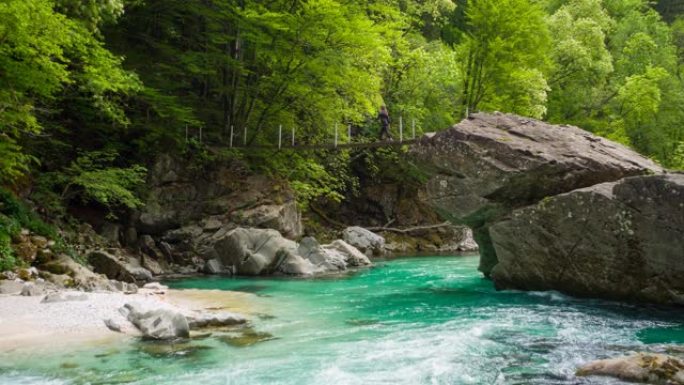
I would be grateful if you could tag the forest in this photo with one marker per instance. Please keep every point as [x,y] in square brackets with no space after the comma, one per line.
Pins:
[92,90]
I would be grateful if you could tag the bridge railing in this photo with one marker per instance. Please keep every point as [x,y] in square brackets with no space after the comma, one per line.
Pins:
[286,138]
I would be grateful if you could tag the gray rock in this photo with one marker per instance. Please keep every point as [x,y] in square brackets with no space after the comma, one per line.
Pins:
[157,223]
[158,324]
[206,319]
[619,240]
[254,251]
[120,269]
[642,368]
[285,218]
[491,164]
[30,289]
[156,287]
[152,265]
[352,256]
[124,287]
[368,242]
[64,297]
[40,241]
[214,266]
[113,325]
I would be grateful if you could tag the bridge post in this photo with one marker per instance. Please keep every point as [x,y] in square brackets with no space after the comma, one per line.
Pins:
[349,133]
[336,135]
[231,136]
[186,133]
[413,127]
[401,129]
[293,136]
[280,137]
[244,137]
[200,135]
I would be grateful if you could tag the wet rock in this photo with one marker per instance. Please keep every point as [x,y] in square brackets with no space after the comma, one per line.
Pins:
[368,242]
[156,287]
[206,319]
[159,349]
[619,240]
[158,324]
[642,367]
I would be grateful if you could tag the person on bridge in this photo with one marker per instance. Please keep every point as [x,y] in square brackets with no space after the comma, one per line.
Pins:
[385,121]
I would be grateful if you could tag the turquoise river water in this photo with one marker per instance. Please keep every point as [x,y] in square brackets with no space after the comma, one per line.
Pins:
[426,320]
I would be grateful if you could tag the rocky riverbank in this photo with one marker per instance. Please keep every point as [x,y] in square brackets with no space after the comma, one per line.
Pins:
[67,318]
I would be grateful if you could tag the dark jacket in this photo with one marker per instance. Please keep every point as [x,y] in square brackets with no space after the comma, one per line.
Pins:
[384,118]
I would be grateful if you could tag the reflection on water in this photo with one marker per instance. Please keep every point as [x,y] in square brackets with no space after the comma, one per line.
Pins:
[406,321]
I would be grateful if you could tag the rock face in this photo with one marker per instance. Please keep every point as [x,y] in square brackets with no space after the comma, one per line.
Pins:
[158,324]
[643,367]
[620,240]
[261,251]
[486,166]
[214,197]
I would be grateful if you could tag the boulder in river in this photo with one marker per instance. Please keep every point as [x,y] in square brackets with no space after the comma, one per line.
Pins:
[617,240]
[491,164]
[642,367]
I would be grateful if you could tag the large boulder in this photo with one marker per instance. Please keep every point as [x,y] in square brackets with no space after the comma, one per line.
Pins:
[120,268]
[642,367]
[490,164]
[158,324]
[619,240]
[365,240]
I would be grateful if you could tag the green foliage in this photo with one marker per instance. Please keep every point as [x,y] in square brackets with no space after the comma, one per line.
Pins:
[504,57]
[93,178]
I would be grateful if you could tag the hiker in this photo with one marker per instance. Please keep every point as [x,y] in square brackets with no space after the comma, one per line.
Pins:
[384,119]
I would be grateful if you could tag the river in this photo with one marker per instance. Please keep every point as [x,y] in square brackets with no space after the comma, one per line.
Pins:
[422,320]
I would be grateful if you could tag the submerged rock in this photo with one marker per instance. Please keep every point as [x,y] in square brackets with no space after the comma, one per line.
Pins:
[205,320]
[642,367]
[247,337]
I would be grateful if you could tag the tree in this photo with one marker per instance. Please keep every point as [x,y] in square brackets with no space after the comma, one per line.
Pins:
[504,57]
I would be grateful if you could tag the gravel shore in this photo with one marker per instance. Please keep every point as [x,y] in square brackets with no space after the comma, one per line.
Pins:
[26,322]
